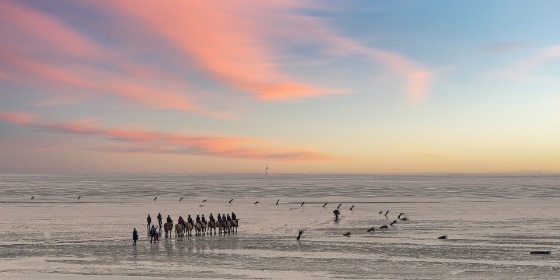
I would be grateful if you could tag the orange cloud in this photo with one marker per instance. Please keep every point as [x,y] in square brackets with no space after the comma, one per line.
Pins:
[142,141]
[223,40]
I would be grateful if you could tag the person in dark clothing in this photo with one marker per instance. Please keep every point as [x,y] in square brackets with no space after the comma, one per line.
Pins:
[336,213]
[134,236]
[169,220]
[228,218]
[159,219]
[211,218]
[233,217]
[203,220]
[190,221]
[198,219]
[153,233]
[149,220]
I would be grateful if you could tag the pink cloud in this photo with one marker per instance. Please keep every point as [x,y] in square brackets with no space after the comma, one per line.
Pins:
[17,117]
[417,78]
[80,73]
[144,141]
[43,29]
[222,38]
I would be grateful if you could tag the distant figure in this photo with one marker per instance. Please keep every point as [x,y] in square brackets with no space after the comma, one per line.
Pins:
[230,200]
[149,220]
[153,233]
[211,218]
[347,234]
[233,216]
[336,213]
[277,201]
[134,236]
[190,221]
[299,234]
[302,203]
[159,219]
[325,204]
[352,207]
[169,220]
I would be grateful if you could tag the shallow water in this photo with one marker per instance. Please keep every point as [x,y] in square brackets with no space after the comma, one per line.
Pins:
[492,223]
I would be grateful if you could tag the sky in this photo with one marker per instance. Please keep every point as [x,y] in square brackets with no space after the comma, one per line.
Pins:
[299,86]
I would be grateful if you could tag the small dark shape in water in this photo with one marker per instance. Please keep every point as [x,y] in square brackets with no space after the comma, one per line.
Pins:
[371,229]
[299,234]
[386,212]
[393,222]
[32,197]
[352,207]
[256,202]
[277,201]
[540,252]
[302,203]
[155,198]
[401,217]
[339,206]
[347,234]
[181,198]
[325,204]
[204,200]
[383,227]
[79,196]
[230,200]
[442,237]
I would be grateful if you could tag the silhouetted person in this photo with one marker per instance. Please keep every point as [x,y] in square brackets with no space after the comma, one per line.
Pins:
[299,234]
[134,236]
[159,219]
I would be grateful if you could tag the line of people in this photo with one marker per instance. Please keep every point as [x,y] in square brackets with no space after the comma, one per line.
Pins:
[154,232]
[199,219]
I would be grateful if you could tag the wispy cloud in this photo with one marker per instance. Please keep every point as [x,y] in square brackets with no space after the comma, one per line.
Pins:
[40,50]
[127,140]
[239,45]
[230,43]
[523,69]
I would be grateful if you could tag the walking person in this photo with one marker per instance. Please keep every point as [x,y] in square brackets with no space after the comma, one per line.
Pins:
[149,220]
[159,219]
[134,236]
